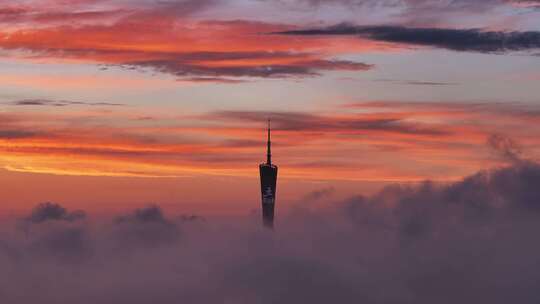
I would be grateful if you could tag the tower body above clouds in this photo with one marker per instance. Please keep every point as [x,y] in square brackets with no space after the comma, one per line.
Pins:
[268,173]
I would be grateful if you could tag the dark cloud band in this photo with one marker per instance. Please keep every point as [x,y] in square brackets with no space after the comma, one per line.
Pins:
[59,103]
[474,40]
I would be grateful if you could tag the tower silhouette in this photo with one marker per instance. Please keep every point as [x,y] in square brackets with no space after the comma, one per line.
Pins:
[268,173]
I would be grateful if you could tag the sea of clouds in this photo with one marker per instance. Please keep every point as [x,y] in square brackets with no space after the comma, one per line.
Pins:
[473,241]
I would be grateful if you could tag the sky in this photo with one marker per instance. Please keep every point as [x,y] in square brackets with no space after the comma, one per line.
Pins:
[114,104]
[405,131]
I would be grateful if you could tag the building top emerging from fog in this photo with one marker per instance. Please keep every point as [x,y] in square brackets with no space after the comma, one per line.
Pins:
[268,173]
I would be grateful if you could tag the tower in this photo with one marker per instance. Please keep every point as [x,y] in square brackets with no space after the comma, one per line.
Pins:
[268,173]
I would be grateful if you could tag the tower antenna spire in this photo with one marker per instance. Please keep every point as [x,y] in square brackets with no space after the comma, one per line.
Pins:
[269,152]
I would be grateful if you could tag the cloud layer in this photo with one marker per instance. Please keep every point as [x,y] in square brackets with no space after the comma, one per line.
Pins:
[397,140]
[168,37]
[159,40]
[470,242]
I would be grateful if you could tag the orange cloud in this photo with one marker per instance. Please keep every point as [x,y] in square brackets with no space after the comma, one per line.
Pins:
[185,48]
[372,141]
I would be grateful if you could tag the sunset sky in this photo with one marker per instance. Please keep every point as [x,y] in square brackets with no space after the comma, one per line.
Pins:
[112,103]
